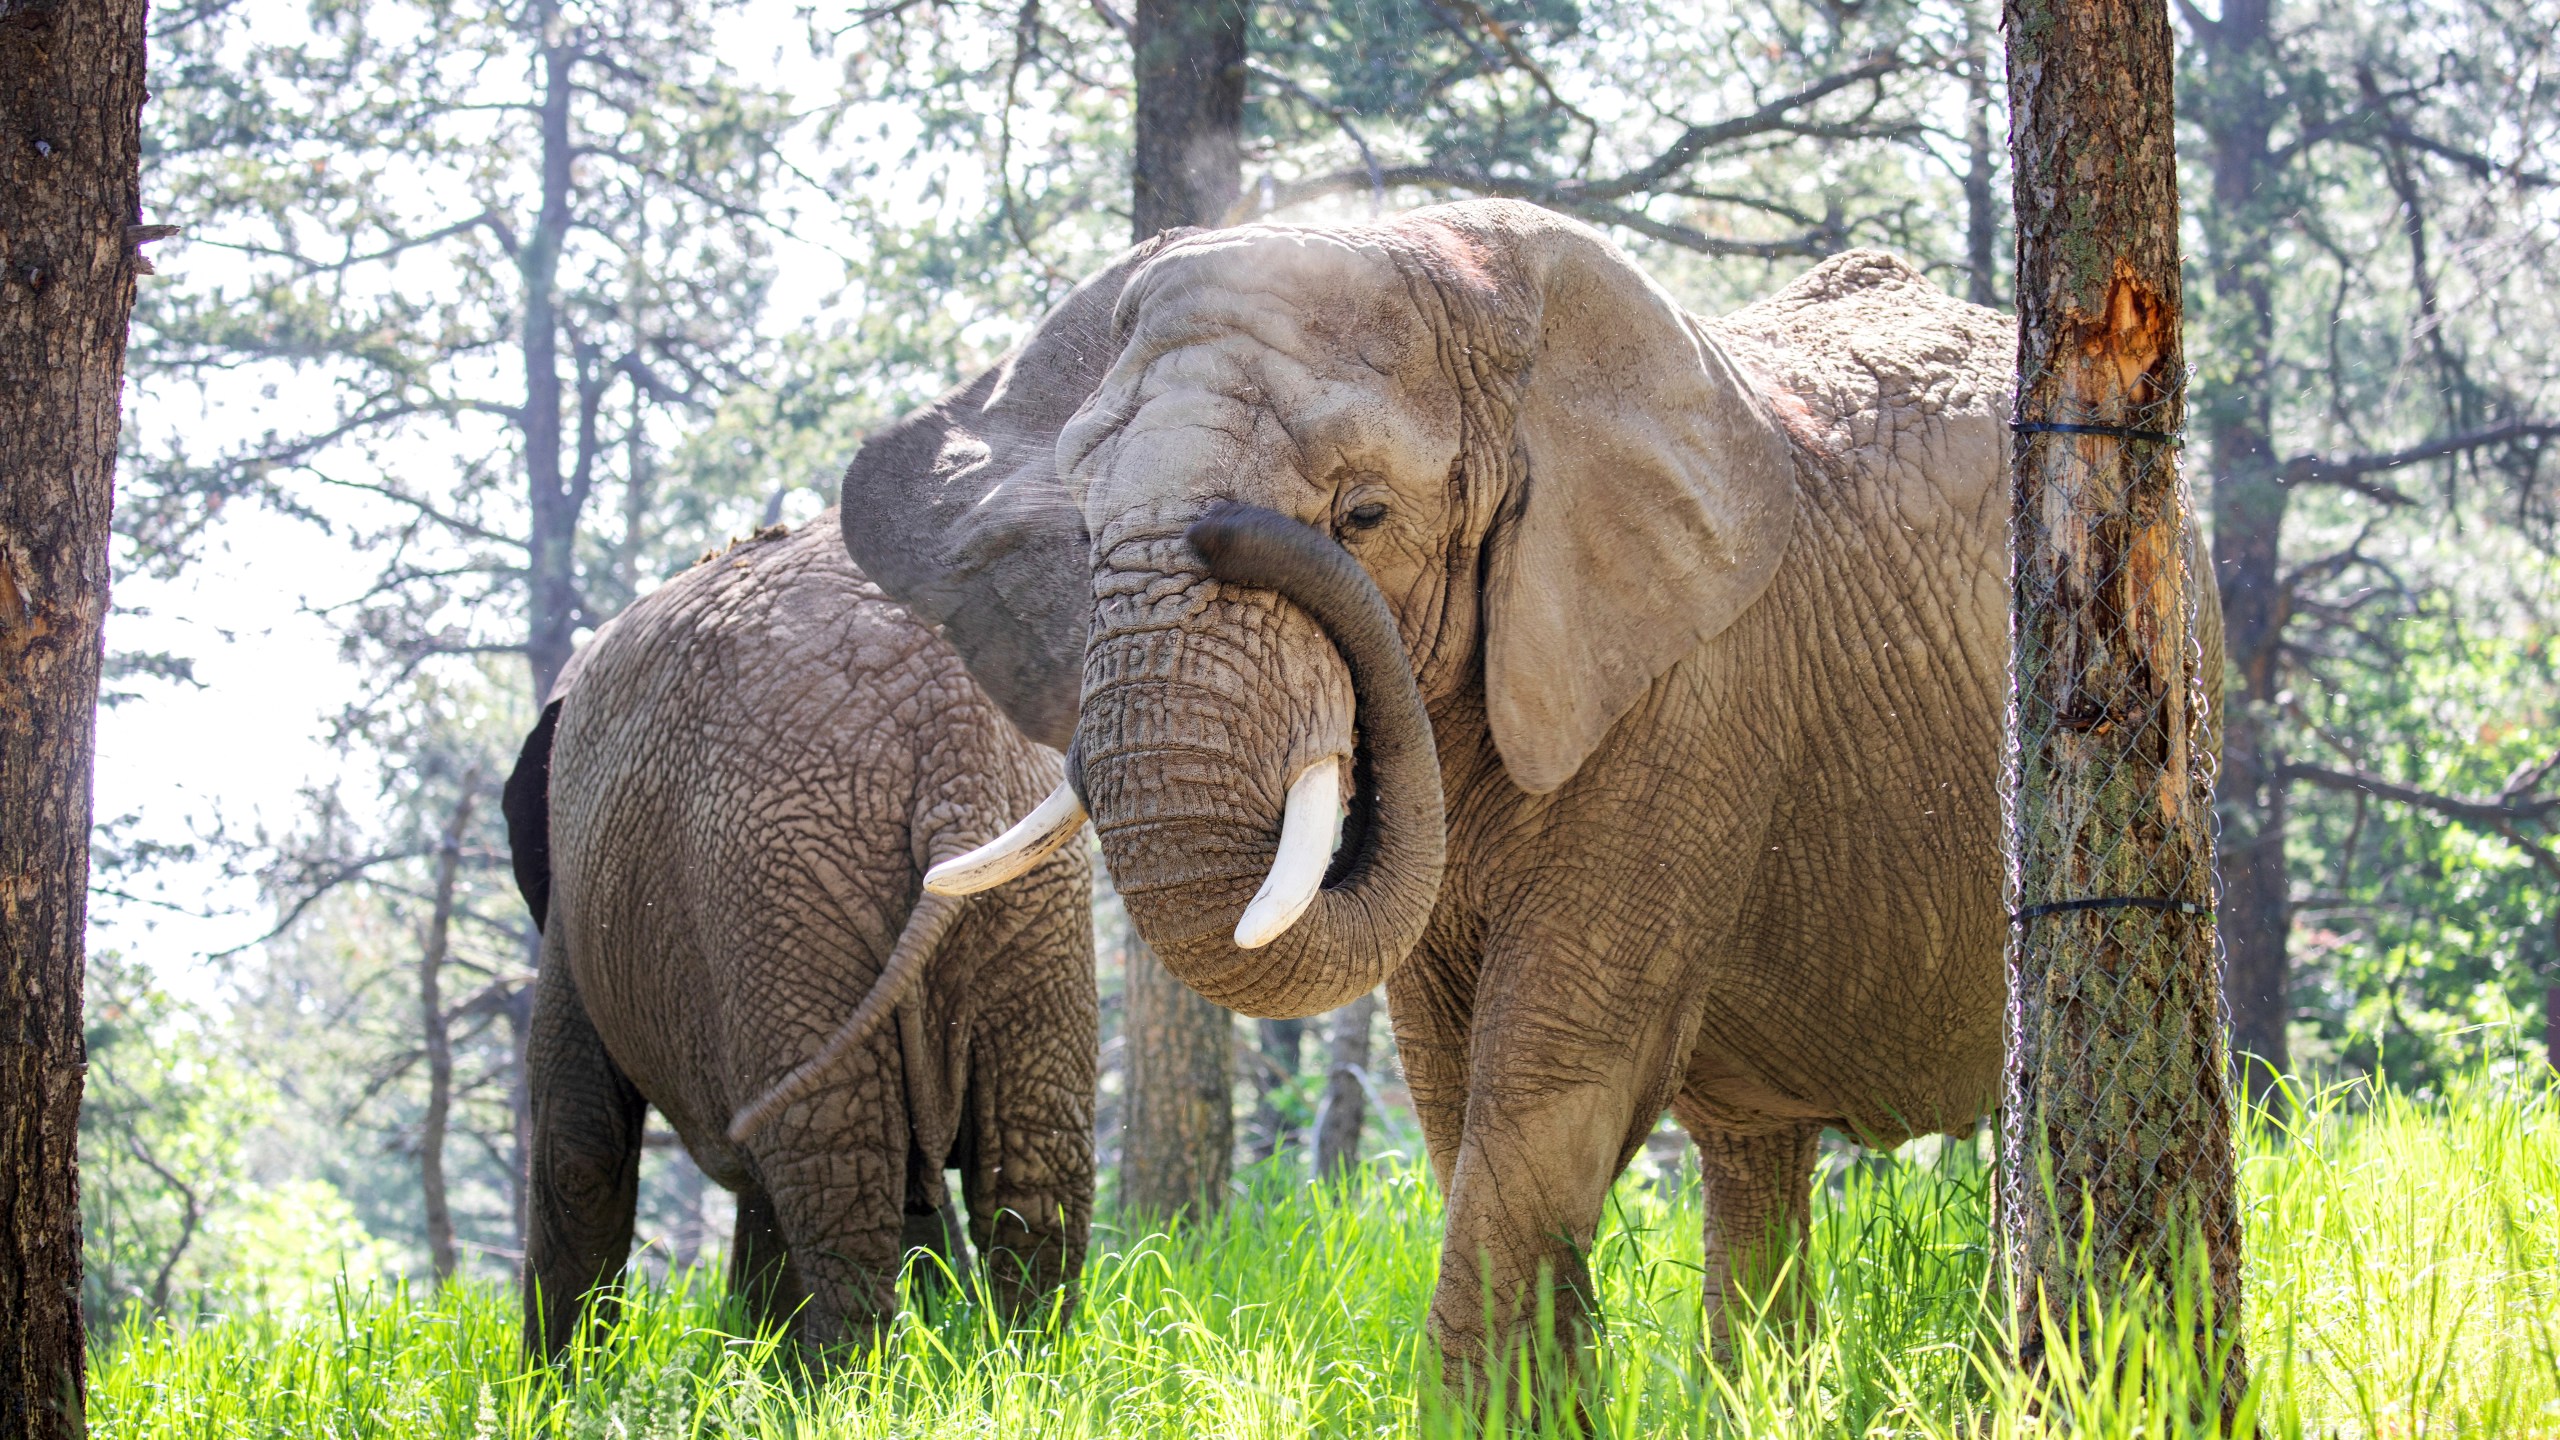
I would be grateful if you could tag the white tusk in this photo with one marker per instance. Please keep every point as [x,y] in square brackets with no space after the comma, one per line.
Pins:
[1309,830]
[1031,840]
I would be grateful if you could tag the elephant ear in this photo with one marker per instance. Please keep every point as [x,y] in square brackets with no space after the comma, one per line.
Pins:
[956,512]
[1659,496]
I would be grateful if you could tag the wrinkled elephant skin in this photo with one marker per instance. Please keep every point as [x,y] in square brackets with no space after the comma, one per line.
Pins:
[748,773]
[1691,798]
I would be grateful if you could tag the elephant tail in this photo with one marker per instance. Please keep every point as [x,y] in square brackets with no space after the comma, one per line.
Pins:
[526,802]
[926,925]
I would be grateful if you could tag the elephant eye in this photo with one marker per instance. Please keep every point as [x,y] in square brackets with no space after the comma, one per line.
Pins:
[1365,517]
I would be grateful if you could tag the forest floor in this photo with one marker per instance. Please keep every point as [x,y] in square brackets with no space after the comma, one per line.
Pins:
[2403,1280]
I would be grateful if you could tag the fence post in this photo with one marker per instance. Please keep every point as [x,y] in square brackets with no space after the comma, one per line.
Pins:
[2118,1148]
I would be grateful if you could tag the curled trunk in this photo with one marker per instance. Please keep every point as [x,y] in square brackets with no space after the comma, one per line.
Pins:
[1183,775]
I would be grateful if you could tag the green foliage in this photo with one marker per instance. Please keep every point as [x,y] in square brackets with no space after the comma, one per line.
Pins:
[2405,1272]
[173,1219]
[2428,942]
[372,247]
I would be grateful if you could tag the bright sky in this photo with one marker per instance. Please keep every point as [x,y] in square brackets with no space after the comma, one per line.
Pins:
[237,753]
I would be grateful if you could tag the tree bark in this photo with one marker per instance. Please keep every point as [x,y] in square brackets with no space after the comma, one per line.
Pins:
[436,1028]
[1981,206]
[1175,1154]
[1344,1111]
[1281,1044]
[1187,169]
[2236,107]
[2119,1150]
[1188,165]
[551,578]
[71,89]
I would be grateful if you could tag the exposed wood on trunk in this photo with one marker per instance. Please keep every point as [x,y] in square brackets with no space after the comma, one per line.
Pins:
[436,1029]
[1175,1155]
[1187,169]
[71,87]
[1344,1111]
[2119,1107]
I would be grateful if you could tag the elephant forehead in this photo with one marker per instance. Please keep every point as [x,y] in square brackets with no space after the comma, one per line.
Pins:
[1280,434]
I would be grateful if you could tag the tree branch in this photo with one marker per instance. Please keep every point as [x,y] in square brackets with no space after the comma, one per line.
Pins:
[2508,809]
[1590,199]
[2348,472]
[1341,118]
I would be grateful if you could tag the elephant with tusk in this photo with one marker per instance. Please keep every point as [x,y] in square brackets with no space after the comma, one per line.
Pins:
[722,823]
[1436,602]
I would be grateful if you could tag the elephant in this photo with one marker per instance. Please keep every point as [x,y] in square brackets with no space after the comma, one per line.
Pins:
[721,821]
[1434,601]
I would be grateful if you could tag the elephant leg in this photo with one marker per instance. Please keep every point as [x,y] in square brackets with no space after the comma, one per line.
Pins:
[1553,1112]
[836,1167]
[1027,1150]
[761,1273]
[583,1183]
[1759,1206]
[1428,1002]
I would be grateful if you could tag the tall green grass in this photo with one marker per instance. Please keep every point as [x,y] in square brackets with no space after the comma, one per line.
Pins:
[2404,1274]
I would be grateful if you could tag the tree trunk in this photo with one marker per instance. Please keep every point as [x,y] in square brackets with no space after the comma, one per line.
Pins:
[2119,1147]
[551,576]
[2237,111]
[1280,1043]
[1175,1153]
[71,88]
[1981,206]
[1345,1107]
[436,1028]
[1188,169]
[1189,161]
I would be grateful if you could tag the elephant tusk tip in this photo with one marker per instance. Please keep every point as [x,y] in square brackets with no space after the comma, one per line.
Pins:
[1032,839]
[1309,830]
[948,878]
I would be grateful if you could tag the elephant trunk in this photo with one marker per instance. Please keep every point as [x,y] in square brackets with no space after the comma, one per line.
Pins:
[1177,755]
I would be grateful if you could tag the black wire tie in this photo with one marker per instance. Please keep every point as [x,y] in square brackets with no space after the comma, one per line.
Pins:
[2113,902]
[2121,432]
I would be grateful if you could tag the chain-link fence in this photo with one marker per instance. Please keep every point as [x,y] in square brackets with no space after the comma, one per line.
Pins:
[2117,1143]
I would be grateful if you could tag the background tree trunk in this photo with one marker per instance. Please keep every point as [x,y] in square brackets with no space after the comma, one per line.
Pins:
[1188,169]
[2238,113]
[2119,1114]
[71,89]
[1175,1154]
[1345,1107]
[1280,1044]
[1981,206]
[558,497]
[436,1028]
[1189,161]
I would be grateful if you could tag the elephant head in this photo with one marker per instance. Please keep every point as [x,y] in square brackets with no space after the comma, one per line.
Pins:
[1309,488]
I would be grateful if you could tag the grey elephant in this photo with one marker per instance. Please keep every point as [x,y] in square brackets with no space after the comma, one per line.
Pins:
[722,820]
[1436,602]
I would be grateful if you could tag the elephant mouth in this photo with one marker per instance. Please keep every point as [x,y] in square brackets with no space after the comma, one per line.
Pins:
[1357,849]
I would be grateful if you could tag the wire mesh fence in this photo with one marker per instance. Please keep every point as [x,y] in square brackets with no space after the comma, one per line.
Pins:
[2117,1131]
